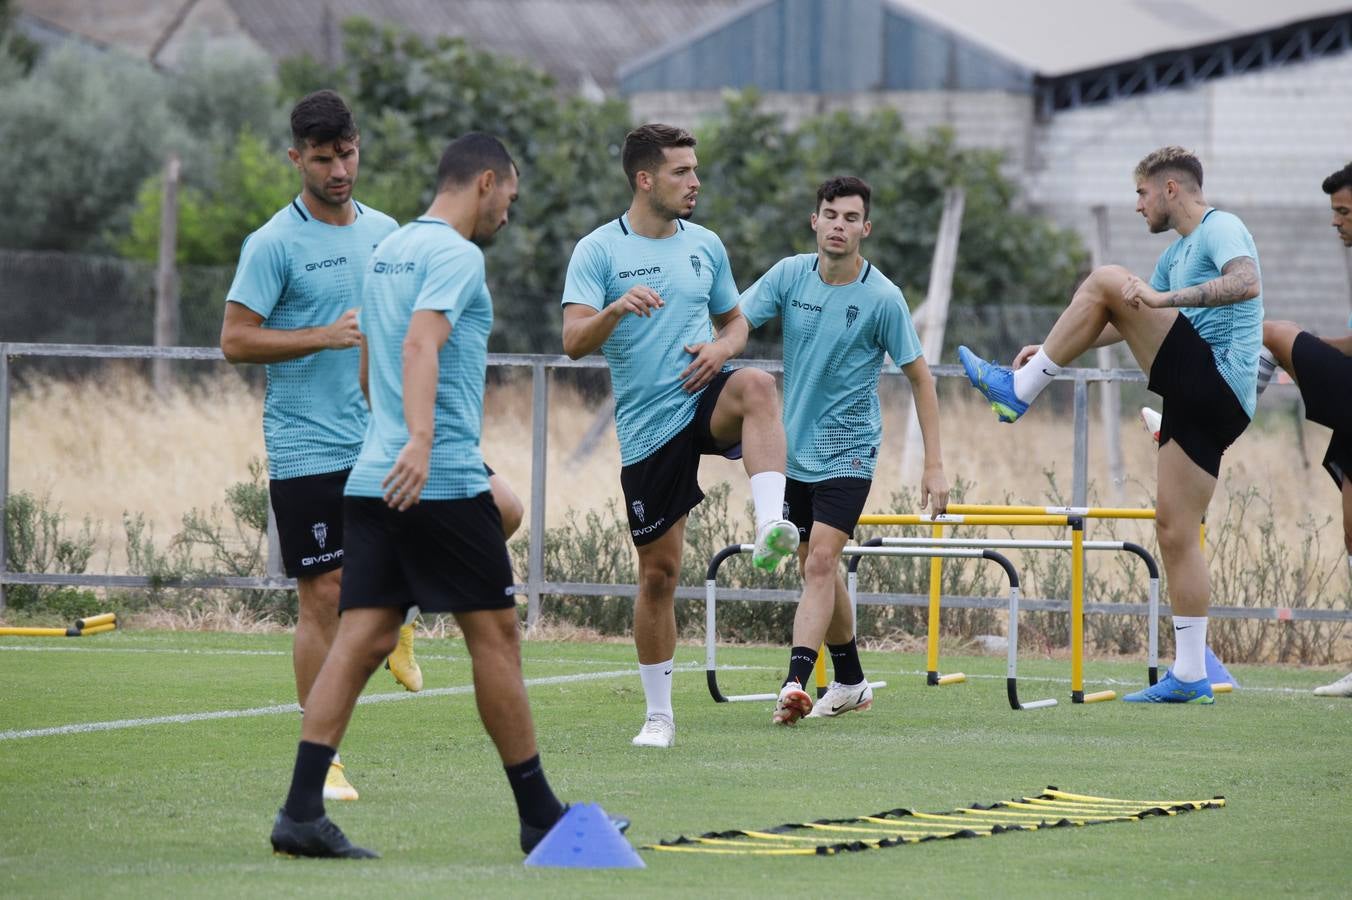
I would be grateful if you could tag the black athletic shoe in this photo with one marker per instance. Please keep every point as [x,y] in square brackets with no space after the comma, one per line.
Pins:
[531,836]
[320,838]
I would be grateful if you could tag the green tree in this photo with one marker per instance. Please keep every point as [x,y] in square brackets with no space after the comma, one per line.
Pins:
[17,50]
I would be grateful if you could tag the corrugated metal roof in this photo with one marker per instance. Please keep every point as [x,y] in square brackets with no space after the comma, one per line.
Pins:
[1055,37]
[576,41]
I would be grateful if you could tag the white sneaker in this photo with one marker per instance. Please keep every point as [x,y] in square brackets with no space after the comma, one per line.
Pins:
[792,705]
[1152,421]
[842,698]
[775,541]
[1340,688]
[658,731]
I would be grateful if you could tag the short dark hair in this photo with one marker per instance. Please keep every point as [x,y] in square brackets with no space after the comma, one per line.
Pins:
[644,145]
[321,118]
[1338,180]
[1174,159]
[470,154]
[844,186]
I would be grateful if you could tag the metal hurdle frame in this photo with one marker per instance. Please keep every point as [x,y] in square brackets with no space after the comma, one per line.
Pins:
[856,553]
[1152,570]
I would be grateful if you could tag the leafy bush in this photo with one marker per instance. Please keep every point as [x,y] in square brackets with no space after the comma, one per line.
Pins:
[37,541]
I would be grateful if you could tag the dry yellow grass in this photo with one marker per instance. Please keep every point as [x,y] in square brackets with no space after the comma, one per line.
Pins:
[102,447]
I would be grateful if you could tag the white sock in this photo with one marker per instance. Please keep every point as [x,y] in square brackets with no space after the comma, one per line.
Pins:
[1035,375]
[767,495]
[1267,365]
[657,687]
[1189,648]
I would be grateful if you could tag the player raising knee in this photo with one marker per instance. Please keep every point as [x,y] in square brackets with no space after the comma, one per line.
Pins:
[840,316]
[1196,328]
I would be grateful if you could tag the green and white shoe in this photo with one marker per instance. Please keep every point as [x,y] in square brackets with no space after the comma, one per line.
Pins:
[775,541]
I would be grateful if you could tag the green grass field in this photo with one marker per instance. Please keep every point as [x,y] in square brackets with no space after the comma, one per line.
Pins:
[183,808]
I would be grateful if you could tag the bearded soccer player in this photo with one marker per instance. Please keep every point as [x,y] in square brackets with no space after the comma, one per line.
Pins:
[643,289]
[840,315]
[293,306]
[1196,327]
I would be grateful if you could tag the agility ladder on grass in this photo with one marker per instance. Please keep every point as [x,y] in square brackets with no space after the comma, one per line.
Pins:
[1053,808]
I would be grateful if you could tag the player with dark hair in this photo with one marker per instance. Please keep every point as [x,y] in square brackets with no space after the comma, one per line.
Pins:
[1322,367]
[1196,328]
[841,316]
[642,289]
[422,528]
[293,306]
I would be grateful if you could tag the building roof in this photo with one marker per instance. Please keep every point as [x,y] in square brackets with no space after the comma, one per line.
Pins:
[579,42]
[1056,37]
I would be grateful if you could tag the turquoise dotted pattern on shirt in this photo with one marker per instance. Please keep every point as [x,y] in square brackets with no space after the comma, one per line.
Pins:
[691,273]
[426,265]
[297,272]
[835,338]
[1234,331]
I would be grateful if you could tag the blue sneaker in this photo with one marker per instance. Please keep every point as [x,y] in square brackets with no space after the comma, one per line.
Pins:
[1170,690]
[996,384]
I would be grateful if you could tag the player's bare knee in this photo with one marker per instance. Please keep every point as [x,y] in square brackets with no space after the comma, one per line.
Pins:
[1175,536]
[821,564]
[657,578]
[512,513]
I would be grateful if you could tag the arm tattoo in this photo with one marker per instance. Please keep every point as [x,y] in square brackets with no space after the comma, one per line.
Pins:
[1238,281]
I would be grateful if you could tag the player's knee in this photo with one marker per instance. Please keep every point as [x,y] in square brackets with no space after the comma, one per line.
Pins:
[382,644]
[1104,284]
[512,512]
[657,577]
[820,565]
[758,388]
[1175,536]
[1275,332]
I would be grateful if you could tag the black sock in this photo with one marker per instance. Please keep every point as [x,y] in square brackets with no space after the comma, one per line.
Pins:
[305,801]
[535,801]
[845,661]
[802,660]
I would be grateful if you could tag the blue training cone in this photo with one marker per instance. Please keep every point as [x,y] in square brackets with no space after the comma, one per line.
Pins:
[1216,672]
[585,838]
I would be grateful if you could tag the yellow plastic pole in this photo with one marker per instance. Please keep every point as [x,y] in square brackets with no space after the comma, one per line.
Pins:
[935,587]
[1077,615]
[99,629]
[1089,512]
[946,519]
[100,619]
[15,631]
[820,670]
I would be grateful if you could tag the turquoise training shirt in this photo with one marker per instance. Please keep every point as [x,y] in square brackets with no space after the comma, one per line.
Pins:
[298,272]
[1234,331]
[691,273]
[428,265]
[834,340]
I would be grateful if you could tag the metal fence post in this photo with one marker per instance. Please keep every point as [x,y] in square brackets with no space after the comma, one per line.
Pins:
[4,466]
[1080,479]
[539,425]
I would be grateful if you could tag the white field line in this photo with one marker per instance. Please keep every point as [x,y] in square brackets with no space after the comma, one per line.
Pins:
[189,651]
[285,708]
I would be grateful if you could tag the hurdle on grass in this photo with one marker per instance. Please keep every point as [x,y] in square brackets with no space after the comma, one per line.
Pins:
[937,522]
[1152,571]
[82,627]
[1092,512]
[711,603]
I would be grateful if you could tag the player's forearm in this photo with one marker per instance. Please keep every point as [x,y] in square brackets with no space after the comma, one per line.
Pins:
[584,336]
[926,399]
[256,344]
[733,336]
[420,390]
[1238,282]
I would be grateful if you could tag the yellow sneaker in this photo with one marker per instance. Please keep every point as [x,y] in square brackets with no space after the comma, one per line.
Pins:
[402,664]
[336,785]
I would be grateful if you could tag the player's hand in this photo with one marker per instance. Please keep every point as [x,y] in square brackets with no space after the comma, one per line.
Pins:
[934,490]
[1136,292]
[1026,354]
[344,332]
[708,362]
[640,300]
[404,484]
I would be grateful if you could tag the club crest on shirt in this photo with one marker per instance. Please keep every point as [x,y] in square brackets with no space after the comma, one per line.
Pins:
[851,314]
[321,532]
[637,507]
[695,263]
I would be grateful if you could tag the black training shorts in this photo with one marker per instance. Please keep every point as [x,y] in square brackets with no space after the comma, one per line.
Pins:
[440,555]
[1323,372]
[1201,411]
[309,514]
[837,502]
[663,486]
